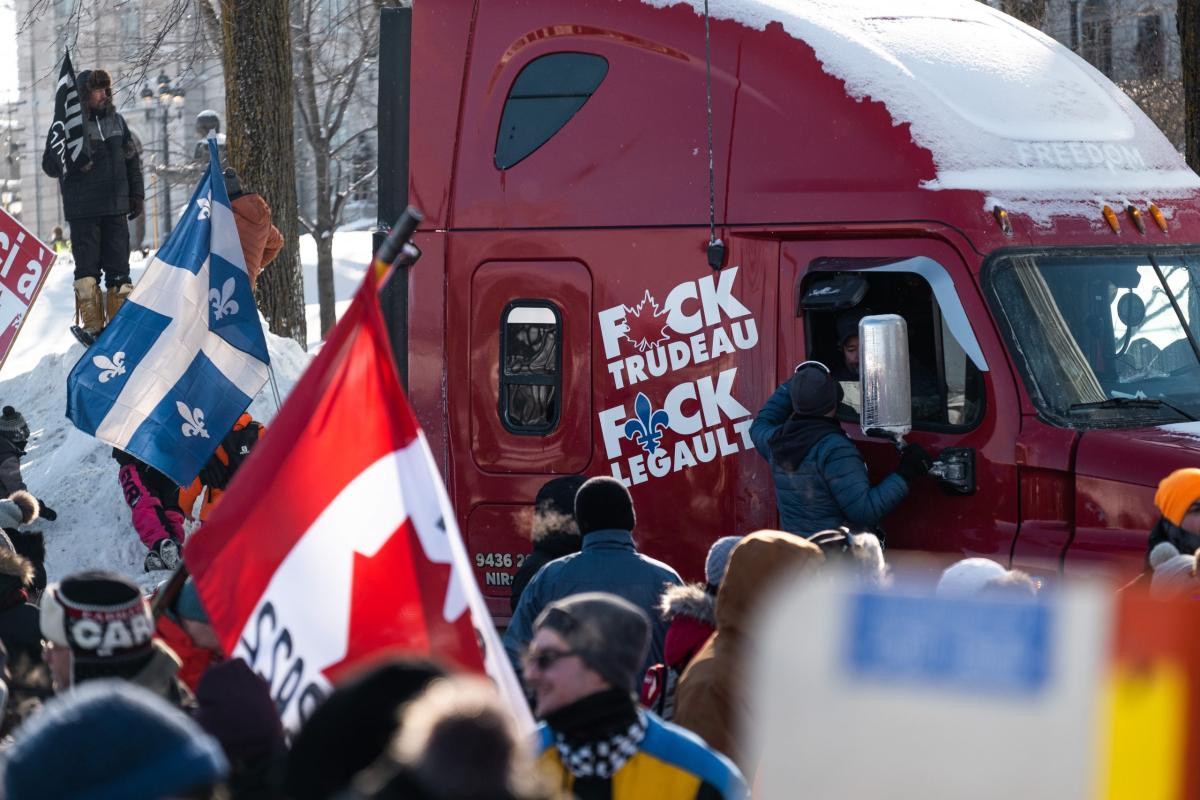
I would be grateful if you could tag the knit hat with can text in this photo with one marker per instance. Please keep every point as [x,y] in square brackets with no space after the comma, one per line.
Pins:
[104,620]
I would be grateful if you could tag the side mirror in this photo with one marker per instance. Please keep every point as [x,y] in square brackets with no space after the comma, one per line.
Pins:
[884,376]
[1131,310]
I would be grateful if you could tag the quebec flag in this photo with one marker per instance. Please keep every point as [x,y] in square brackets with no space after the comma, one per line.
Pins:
[185,355]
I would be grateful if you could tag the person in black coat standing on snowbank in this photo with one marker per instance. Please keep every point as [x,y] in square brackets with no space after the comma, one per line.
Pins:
[554,532]
[97,201]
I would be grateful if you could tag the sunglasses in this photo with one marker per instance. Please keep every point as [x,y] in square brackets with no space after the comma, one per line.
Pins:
[545,659]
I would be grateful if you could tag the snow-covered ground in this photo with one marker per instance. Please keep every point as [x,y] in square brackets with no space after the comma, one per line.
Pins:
[75,473]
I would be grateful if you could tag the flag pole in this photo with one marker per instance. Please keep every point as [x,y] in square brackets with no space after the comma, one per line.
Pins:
[397,249]
[169,591]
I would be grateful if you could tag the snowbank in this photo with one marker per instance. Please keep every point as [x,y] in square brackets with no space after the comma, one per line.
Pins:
[75,473]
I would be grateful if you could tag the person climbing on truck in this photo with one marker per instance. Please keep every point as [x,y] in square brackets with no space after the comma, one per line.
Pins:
[820,477]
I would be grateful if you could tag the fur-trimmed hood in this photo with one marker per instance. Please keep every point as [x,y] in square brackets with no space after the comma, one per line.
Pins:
[20,508]
[689,600]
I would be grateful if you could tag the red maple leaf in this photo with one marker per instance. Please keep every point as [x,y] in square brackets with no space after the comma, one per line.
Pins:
[396,604]
[644,325]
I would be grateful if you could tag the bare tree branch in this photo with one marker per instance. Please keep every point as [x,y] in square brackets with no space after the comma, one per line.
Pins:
[340,201]
[332,51]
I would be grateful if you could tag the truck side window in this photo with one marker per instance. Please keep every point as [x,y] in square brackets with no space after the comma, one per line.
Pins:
[543,98]
[947,387]
[530,367]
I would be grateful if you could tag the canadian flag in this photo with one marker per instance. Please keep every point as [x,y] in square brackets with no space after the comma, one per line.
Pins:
[336,544]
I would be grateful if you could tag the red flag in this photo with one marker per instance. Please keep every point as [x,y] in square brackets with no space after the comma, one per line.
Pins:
[336,543]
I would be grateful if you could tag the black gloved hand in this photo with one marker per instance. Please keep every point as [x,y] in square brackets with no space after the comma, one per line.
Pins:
[46,512]
[215,474]
[914,462]
[136,204]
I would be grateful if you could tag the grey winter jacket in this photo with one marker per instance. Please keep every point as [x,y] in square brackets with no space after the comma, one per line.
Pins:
[830,486]
[115,174]
[608,563]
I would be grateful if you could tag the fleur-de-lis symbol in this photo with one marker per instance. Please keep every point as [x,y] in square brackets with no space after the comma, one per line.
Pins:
[194,424]
[647,426]
[110,367]
[205,207]
[222,301]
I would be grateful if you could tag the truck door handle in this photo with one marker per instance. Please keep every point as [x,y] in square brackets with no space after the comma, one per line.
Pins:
[955,469]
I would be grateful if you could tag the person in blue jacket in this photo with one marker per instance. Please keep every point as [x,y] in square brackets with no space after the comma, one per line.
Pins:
[609,562]
[820,478]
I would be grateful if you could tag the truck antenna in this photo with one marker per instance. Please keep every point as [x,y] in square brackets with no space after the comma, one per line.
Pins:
[716,248]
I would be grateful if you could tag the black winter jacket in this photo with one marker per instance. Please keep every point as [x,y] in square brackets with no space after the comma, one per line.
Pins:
[115,174]
[21,632]
[10,466]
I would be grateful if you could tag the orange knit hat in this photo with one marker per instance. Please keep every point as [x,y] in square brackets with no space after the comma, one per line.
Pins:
[1176,493]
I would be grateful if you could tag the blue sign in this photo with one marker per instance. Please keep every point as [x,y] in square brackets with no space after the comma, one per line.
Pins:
[990,646]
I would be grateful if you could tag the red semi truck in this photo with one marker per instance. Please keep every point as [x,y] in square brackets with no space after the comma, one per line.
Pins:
[935,160]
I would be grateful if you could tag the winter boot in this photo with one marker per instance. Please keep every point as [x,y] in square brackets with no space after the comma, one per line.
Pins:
[164,555]
[90,311]
[116,298]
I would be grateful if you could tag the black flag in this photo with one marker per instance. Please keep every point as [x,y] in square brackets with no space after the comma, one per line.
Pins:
[65,143]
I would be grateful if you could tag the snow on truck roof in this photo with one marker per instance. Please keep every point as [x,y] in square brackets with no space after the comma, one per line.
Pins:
[1003,108]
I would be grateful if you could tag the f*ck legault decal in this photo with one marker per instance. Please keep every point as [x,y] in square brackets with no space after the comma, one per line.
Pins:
[674,424]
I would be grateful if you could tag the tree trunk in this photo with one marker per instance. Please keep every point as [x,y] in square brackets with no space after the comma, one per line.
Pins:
[324,236]
[256,37]
[1187,19]
[1031,12]
[325,293]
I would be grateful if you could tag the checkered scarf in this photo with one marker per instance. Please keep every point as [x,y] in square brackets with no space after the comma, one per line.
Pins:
[604,757]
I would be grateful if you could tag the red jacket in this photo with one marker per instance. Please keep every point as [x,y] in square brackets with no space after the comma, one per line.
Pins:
[195,659]
[690,613]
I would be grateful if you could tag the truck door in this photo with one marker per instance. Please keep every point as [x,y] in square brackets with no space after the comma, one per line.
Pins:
[957,400]
[529,350]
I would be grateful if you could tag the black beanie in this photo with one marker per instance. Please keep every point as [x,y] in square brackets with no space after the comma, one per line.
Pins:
[604,504]
[813,390]
[559,495]
[846,323]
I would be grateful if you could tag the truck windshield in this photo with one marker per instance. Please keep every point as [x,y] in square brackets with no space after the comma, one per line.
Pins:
[1106,340]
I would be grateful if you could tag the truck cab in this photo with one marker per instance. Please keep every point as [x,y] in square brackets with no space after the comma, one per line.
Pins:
[942,162]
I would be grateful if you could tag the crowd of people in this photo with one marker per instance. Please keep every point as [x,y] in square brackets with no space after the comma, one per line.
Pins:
[638,679]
